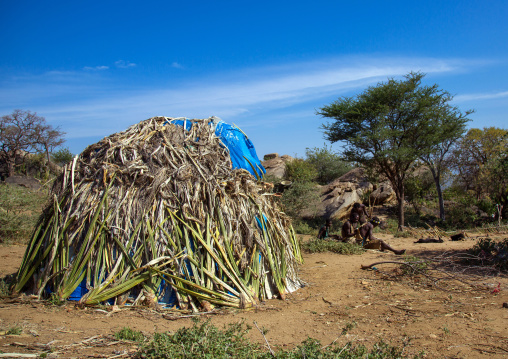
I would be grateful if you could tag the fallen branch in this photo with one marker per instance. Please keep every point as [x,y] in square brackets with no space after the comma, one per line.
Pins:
[268,344]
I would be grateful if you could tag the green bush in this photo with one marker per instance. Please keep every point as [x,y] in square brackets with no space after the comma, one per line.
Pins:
[62,156]
[299,170]
[329,164]
[202,340]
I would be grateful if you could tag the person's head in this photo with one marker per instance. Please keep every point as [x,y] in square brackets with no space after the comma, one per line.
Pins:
[355,217]
[357,205]
[375,221]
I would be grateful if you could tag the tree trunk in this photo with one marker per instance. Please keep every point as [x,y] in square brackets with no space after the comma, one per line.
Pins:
[10,167]
[437,181]
[400,208]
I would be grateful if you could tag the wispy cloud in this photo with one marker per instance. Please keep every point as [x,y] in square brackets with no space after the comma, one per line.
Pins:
[98,107]
[480,96]
[95,68]
[121,64]
[176,65]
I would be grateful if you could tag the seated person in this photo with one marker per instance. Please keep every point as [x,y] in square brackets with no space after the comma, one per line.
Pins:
[324,231]
[361,210]
[371,242]
[350,227]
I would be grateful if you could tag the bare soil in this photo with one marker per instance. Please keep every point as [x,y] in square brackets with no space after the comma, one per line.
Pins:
[340,303]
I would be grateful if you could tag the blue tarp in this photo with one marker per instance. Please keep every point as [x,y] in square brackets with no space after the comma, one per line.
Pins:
[241,149]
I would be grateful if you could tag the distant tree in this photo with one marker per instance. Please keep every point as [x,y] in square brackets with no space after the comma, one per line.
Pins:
[329,164]
[389,126]
[62,156]
[24,131]
[480,159]
[450,126]
[48,139]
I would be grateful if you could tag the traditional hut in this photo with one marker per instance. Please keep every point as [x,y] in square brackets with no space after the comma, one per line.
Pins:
[157,213]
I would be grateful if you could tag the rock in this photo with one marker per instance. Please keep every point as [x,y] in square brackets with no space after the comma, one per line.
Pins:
[276,166]
[383,194]
[23,181]
[270,156]
[337,198]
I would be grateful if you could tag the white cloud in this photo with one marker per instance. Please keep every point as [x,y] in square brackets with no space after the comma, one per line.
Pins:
[92,68]
[480,96]
[121,64]
[176,65]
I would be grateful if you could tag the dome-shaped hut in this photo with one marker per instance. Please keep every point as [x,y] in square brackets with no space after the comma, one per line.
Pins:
[157,213]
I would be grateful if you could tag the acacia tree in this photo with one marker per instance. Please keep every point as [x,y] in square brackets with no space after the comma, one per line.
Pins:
[389,126]
[28,132]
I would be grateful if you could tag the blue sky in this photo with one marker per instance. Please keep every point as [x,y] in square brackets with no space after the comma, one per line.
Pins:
[95,68]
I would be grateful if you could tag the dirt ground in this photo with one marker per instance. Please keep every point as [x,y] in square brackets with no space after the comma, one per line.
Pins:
[340,303]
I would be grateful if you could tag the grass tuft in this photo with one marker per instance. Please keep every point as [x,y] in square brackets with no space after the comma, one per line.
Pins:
[319,245]
[130,334]
[14,331]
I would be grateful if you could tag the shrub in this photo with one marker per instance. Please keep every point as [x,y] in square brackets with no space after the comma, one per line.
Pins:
[62,156]
[299,170]
[487,252]
[329,164]
[300,196]
[202,340]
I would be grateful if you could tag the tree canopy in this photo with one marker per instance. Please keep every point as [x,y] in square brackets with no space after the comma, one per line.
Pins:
[28,132]
[389,126]
[480,160]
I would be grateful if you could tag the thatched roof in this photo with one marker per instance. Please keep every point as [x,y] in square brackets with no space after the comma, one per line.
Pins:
[158,209]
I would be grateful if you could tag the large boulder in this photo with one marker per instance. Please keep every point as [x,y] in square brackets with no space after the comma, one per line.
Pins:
[383,194]
[338,197]
[275,166]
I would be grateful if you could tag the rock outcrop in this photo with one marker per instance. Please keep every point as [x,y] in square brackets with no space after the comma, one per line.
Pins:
[275,165]
[338,197]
